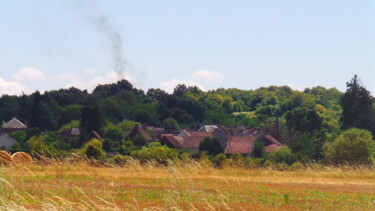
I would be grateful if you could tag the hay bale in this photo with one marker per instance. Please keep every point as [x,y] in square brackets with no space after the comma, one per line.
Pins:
[5,158]
[21,157]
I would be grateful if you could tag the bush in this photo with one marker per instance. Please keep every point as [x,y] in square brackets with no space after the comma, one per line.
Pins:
[282,155]
[254,162]
[295,166]
[237,160]
[258,149]
[160,154]
[219,160]
[211,145]
[119,159]
[93,150]
[171,124]
[139,140]
[353,146]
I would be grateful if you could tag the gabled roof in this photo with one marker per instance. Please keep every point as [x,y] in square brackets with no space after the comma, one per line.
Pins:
[239,144]
[176,141]
[271,148]
[226,131]
[6,140]
[208,128]
[203,134]
[272,140]
[14,124]
[138,129]
[192,142]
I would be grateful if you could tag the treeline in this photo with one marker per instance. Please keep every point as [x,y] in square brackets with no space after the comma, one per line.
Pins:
[303,120]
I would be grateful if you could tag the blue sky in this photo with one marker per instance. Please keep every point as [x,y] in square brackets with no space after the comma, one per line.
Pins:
[243,44]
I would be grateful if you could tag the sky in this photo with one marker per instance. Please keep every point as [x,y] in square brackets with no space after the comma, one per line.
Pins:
[48,45]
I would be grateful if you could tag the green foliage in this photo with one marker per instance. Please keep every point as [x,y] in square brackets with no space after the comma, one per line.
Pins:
[69,114]
[282,155]
[220,160]
[160,154]
[211,145]
[127,125]
[308,146]
[259,151]
[139,140]
[38,146]
[120,159]
[93,150]
[18,136]
[353,146]
[171,124]
[357,107]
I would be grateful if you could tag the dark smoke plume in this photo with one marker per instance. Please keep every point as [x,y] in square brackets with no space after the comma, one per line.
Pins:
[115,39]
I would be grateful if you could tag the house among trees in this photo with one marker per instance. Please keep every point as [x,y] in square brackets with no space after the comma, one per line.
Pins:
[140,130]
[240,145]
[270,143]
[208,128]
[13,125]
[172,141]
[6,142]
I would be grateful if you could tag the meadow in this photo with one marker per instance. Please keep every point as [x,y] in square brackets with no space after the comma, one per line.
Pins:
[84,185]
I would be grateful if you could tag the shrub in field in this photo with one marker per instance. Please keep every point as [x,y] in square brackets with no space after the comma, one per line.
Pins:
[281,155]
[38,146]
[254,162]
[119,159]
[160,154]
[219,160]
[93,149]
[237,160]
[295,166]
[353,146]
[211,145]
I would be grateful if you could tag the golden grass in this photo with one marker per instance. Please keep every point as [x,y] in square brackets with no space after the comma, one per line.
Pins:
[183,186]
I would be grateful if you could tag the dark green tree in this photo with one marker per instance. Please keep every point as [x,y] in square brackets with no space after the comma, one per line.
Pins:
[211,145]
[357,108]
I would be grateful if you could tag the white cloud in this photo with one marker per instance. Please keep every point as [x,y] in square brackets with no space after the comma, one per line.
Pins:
[66,77]
[207,76]
[90,84]
[196,79]
[90,71]
[169,86]
[29,74]
[11,88]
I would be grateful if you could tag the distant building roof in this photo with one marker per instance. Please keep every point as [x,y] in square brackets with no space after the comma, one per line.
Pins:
[208,128]
[6,141]
[192,142]
[176,141]
[138,129]
[269,140]
[239,144]
[14,124]
[75,132]
[271,148]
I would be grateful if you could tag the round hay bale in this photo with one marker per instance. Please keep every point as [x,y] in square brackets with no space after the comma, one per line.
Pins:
[5,158]
[21,157]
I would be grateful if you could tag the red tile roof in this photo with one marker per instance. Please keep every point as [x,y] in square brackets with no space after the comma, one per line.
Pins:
[239,144]
[176,141]
[203,134]
[271,148]
[272,140]
[193,142]
[138,129]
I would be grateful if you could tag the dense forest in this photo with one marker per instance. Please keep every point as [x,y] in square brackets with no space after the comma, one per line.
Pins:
[303,120]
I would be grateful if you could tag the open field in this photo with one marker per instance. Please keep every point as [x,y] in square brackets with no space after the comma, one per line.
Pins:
[64,186]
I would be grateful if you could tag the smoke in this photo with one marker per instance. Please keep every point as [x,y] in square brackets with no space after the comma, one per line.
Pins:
[116,42]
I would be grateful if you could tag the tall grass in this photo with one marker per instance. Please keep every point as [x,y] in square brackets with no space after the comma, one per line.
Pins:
[81,184]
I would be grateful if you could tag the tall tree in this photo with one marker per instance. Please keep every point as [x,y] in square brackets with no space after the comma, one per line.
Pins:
[357,107]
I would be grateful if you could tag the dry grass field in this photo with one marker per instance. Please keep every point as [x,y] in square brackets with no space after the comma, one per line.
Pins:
[192,186]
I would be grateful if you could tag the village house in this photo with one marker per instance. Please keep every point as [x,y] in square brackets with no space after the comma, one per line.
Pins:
[13,125]
[270,143]
[6,142]
[240,145]
[140,130]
